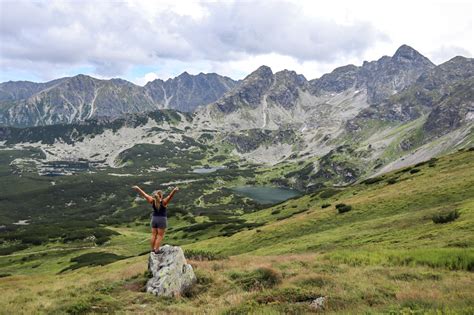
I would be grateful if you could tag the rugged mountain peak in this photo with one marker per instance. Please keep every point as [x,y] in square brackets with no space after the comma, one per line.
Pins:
[290,75]
[389,75]
[249,93]
[185,74]
[406,53]
[453,70]
[262,72]
[338,80]
[186,92]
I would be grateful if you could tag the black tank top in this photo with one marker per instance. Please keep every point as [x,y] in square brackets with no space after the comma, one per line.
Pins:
[161,211]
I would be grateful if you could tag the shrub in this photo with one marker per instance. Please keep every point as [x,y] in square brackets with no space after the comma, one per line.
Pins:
[12,249]
[286,295]
[404,170]
[327,193]
[392,181]
[34,240]
[373,180]
[445,218]
[257,279]
[276,211]
[203,283]
[342,207]
[93,259]
[325,205]
[414,171]
[314,282]
[200,255]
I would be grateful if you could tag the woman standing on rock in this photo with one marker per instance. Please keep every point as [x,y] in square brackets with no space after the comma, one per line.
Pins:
[158,219]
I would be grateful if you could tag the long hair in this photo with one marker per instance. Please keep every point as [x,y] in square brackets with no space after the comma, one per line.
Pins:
[157,197]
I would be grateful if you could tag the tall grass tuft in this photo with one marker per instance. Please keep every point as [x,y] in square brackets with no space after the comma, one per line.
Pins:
[445,218]
[257,279]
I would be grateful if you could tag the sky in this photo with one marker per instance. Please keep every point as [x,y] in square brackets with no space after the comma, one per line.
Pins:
[143,40]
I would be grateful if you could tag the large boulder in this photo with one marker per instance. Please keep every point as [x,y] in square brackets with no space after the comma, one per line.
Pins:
[172,275]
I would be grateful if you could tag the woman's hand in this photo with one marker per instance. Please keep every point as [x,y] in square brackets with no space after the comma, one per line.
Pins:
[135,187]
[176,188]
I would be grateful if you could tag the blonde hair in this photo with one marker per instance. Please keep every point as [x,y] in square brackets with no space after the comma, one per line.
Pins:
[156,194]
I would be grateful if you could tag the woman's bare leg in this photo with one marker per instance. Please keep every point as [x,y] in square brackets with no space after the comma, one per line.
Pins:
[159,238]
[154,234]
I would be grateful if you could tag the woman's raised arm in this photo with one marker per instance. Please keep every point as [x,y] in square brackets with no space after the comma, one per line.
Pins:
[147,197]
[170,196]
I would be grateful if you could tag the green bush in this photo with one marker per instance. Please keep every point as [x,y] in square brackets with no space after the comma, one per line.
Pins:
[342,207]
[327,193]
[93,259]
[257,279]
[325,205]
[392,181]
[200,255]
[286,295]
[373,180]
[276,211]
[445,218]
[414,171]
[12,249]
[404,170]
[314,282]
[203,283]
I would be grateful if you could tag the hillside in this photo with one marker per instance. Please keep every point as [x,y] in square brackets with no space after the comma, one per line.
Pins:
[386,254]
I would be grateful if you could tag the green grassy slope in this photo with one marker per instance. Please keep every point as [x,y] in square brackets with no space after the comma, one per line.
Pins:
[384,216]
[385,255]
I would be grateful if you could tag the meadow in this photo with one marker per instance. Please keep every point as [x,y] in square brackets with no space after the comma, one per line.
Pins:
[404,244]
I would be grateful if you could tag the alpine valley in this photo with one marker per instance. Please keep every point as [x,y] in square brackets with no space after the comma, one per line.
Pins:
[389,142]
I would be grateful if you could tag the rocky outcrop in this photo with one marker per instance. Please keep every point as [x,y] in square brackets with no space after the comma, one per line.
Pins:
[439,85]
[249,93]
[452,112]
[171,274]
[186,92]
[380,78]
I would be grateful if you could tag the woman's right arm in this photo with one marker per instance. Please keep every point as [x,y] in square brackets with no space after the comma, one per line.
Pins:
[147,197]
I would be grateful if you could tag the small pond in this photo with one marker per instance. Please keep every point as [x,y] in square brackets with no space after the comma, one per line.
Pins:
[206,170]
[266,194]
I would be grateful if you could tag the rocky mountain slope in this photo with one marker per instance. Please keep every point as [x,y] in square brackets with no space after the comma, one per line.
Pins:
[76,99]
[186,92]
[352,123]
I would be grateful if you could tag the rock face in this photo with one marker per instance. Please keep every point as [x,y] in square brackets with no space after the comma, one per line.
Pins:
[186,92]
[80,98]
[171,274]
[380,78]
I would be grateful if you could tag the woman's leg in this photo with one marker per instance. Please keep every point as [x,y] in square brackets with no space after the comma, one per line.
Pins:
[154,234]
[159,238]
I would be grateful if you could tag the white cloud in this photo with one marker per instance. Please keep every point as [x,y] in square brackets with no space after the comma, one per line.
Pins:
[49,38]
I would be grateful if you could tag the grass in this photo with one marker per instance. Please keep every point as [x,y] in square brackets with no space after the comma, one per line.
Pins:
[386,255]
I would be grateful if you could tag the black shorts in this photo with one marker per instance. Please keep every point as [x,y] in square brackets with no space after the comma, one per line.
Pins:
[158,222]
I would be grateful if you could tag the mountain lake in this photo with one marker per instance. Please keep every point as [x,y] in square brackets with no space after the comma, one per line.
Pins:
[266,194]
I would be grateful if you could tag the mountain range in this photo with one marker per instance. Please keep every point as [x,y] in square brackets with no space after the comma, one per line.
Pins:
[355,122]
[78,98]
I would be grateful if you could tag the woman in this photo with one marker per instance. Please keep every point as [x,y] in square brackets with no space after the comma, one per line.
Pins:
[158,219]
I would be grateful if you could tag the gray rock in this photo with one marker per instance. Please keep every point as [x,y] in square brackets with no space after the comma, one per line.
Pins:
[319,303]
[172,275]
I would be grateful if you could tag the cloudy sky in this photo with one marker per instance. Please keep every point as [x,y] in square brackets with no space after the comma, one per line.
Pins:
[143,40]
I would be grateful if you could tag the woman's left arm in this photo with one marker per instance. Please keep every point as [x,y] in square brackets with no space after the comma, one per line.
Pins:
[170,196]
